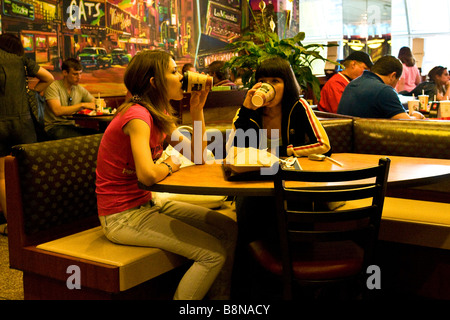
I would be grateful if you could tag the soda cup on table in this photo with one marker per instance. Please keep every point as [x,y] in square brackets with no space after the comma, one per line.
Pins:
[100,104]
[413,105]
[263,95]
[423,98]
[193,81]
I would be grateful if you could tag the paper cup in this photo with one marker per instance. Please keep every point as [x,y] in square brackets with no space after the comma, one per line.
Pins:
[263,95]
[423,102]
[100,104]
[413,105]
[193,81]
[444,109]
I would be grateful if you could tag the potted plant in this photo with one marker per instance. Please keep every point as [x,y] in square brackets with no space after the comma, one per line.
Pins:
[264,43]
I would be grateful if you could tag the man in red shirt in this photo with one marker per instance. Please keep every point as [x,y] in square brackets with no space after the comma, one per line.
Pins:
[331,93]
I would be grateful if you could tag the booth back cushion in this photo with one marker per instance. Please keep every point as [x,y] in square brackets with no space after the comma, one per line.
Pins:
[340,134]
[411,138]
[57,181]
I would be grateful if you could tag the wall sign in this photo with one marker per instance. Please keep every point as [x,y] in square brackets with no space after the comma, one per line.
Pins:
[18,9]
[84,13]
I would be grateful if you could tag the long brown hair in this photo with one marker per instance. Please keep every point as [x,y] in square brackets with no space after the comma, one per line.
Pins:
[405,55]
[154,98]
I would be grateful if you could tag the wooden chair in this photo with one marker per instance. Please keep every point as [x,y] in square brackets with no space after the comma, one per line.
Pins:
[322,246]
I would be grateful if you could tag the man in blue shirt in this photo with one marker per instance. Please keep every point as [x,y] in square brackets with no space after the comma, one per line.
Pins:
[373,95]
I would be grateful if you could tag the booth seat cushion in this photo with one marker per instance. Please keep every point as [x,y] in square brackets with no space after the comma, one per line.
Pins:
[416,222]
[423,223]
[136,264]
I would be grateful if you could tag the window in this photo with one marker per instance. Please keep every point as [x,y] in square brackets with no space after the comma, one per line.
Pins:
[323,21]
[423,19]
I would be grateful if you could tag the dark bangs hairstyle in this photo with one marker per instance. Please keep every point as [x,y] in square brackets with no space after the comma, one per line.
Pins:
[154,98]
[280,68]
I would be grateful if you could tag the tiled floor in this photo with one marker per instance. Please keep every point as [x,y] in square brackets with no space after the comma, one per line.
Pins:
[10,280]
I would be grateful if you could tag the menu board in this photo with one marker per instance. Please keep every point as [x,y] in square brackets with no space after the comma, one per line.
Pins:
[223,22]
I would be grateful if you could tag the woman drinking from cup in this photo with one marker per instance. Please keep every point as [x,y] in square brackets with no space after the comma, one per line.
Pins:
[287,120]
[289,125]
[130,145]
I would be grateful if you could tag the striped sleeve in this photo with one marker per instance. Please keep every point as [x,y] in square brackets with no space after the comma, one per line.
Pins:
[322,144]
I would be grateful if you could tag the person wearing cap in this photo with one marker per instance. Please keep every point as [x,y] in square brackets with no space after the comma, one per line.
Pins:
[354,66]
[373,94]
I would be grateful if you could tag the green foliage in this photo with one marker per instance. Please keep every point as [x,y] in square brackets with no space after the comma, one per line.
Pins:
[263,44]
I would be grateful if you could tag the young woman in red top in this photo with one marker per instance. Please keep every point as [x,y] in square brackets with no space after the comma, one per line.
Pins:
[129,147]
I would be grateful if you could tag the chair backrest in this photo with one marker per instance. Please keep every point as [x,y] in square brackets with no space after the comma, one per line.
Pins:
[299,223]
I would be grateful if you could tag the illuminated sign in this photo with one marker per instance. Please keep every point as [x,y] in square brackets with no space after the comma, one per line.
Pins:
[18,9]
[118,19]
[223,23]
[84,13]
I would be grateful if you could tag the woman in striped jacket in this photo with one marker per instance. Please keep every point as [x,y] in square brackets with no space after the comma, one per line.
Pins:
[286,121]
[287,126]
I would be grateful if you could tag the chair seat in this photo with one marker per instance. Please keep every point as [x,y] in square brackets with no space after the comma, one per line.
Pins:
[322,262]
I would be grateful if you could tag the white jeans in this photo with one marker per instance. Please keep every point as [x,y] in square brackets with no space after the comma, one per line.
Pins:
[205,236]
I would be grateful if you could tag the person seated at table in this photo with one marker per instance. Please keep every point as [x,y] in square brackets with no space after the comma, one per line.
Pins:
[437,87]
[292,127]
[354,66]
[130,145]
[372,95]
[65,97]
[236,77]
[188,67]
[288,120]
[411,75]
[220,74]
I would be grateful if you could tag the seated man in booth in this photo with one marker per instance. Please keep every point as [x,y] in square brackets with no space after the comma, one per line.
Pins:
[65,97]
[373,94]
[354,66]
[220,74]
